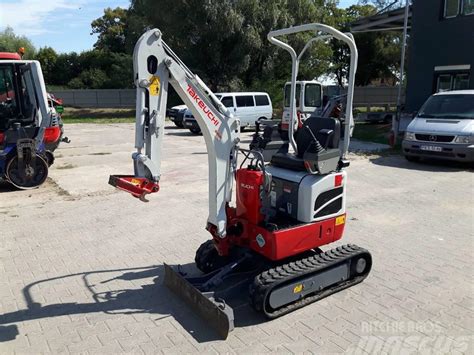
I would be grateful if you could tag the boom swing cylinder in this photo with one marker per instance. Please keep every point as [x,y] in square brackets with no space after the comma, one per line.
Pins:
[288,203]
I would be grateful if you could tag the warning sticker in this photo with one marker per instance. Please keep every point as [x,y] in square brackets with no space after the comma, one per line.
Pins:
[298,288]
[340,220]
[154,87]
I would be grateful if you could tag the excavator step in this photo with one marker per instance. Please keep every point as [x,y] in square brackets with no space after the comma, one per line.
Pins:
[285,288]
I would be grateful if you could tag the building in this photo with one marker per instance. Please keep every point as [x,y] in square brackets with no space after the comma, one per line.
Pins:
[441,49]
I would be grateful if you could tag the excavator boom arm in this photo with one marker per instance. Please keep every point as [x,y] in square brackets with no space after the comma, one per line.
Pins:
[155,67]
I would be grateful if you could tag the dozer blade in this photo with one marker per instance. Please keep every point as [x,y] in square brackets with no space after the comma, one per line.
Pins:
[216,313]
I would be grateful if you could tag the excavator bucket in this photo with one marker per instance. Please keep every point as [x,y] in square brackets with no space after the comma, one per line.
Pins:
[215,312]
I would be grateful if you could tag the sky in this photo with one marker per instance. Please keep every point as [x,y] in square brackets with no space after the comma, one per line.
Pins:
[62,24]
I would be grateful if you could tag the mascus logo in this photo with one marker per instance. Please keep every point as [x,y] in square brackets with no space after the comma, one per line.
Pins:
[247,186]
[207,111]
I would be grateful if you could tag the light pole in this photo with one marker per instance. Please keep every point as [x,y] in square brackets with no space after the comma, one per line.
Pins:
[396,120]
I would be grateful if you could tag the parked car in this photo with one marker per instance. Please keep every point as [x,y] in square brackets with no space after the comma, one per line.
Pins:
[249,107]
[190,122]
[443,128]
[378,117]
[176,114]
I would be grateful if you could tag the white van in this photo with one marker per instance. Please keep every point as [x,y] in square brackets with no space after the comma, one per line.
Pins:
[249,107]
[309,100]
[443,128]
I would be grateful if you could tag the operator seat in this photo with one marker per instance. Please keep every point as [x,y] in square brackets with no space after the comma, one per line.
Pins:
[272,141]
[317,142]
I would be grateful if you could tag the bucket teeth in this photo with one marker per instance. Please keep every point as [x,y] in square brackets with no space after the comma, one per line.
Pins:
[216,313]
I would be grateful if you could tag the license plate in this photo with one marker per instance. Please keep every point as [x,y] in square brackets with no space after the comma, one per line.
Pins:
[431,148]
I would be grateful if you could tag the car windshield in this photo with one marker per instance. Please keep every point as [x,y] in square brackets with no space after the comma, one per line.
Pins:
[455,106]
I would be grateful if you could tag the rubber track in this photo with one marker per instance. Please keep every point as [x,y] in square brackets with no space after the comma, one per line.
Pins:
[263,283]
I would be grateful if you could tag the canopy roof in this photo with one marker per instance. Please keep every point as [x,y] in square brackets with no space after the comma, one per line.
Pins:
[386,21]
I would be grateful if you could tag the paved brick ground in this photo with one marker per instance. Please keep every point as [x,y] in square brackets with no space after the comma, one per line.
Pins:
[81,264]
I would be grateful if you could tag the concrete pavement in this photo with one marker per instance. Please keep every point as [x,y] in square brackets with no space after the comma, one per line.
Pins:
[81,263]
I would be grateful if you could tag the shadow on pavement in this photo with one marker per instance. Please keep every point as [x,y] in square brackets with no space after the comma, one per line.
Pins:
[7,187]
[152,298]
[182,134]
[173,126]
[434,165]
[8,332]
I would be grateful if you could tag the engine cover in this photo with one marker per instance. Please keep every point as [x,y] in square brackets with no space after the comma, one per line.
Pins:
[307,197]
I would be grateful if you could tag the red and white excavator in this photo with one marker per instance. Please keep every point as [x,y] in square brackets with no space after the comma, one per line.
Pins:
[290,194]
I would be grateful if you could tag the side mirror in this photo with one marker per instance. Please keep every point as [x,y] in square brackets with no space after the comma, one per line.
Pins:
[59,109]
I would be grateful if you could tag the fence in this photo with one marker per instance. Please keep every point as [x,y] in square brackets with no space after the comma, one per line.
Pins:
[373,96]
[97,98]
[363,97]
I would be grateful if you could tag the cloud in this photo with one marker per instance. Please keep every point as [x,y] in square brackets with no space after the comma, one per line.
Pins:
[31,17]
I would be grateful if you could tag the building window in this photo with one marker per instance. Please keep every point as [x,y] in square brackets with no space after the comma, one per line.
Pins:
[468,7]
[451,8]
[452,81]
[444,83]
[461,81]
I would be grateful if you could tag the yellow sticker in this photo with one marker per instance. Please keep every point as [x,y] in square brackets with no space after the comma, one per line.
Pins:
[340,220]
[135,181]
[298,288]
[154,87]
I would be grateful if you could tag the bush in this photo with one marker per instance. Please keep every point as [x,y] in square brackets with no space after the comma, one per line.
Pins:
[90,79]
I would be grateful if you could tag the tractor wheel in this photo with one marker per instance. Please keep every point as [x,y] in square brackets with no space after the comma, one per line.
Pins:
[49,157]
[32,176]
[207,259]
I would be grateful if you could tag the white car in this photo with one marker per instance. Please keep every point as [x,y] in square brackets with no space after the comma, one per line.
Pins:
[443,128]
[249,107]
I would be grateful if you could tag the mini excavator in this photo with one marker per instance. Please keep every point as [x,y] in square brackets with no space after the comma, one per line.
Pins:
[290,195]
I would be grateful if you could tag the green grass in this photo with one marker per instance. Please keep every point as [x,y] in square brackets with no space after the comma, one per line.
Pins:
[369,132]
[68,119]
[98,115]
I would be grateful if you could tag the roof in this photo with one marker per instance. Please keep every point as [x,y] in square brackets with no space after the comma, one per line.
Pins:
[9,55]
[386,21]
[241,93]
[16,61]
[456,92]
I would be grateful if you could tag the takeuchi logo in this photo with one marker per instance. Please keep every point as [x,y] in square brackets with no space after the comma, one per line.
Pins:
[206,110]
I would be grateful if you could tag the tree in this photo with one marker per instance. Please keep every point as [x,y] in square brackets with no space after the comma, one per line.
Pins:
[10,42]
[226,42]
[89,79]
[111,29]
[47,56]
[378,51]
[67,67]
